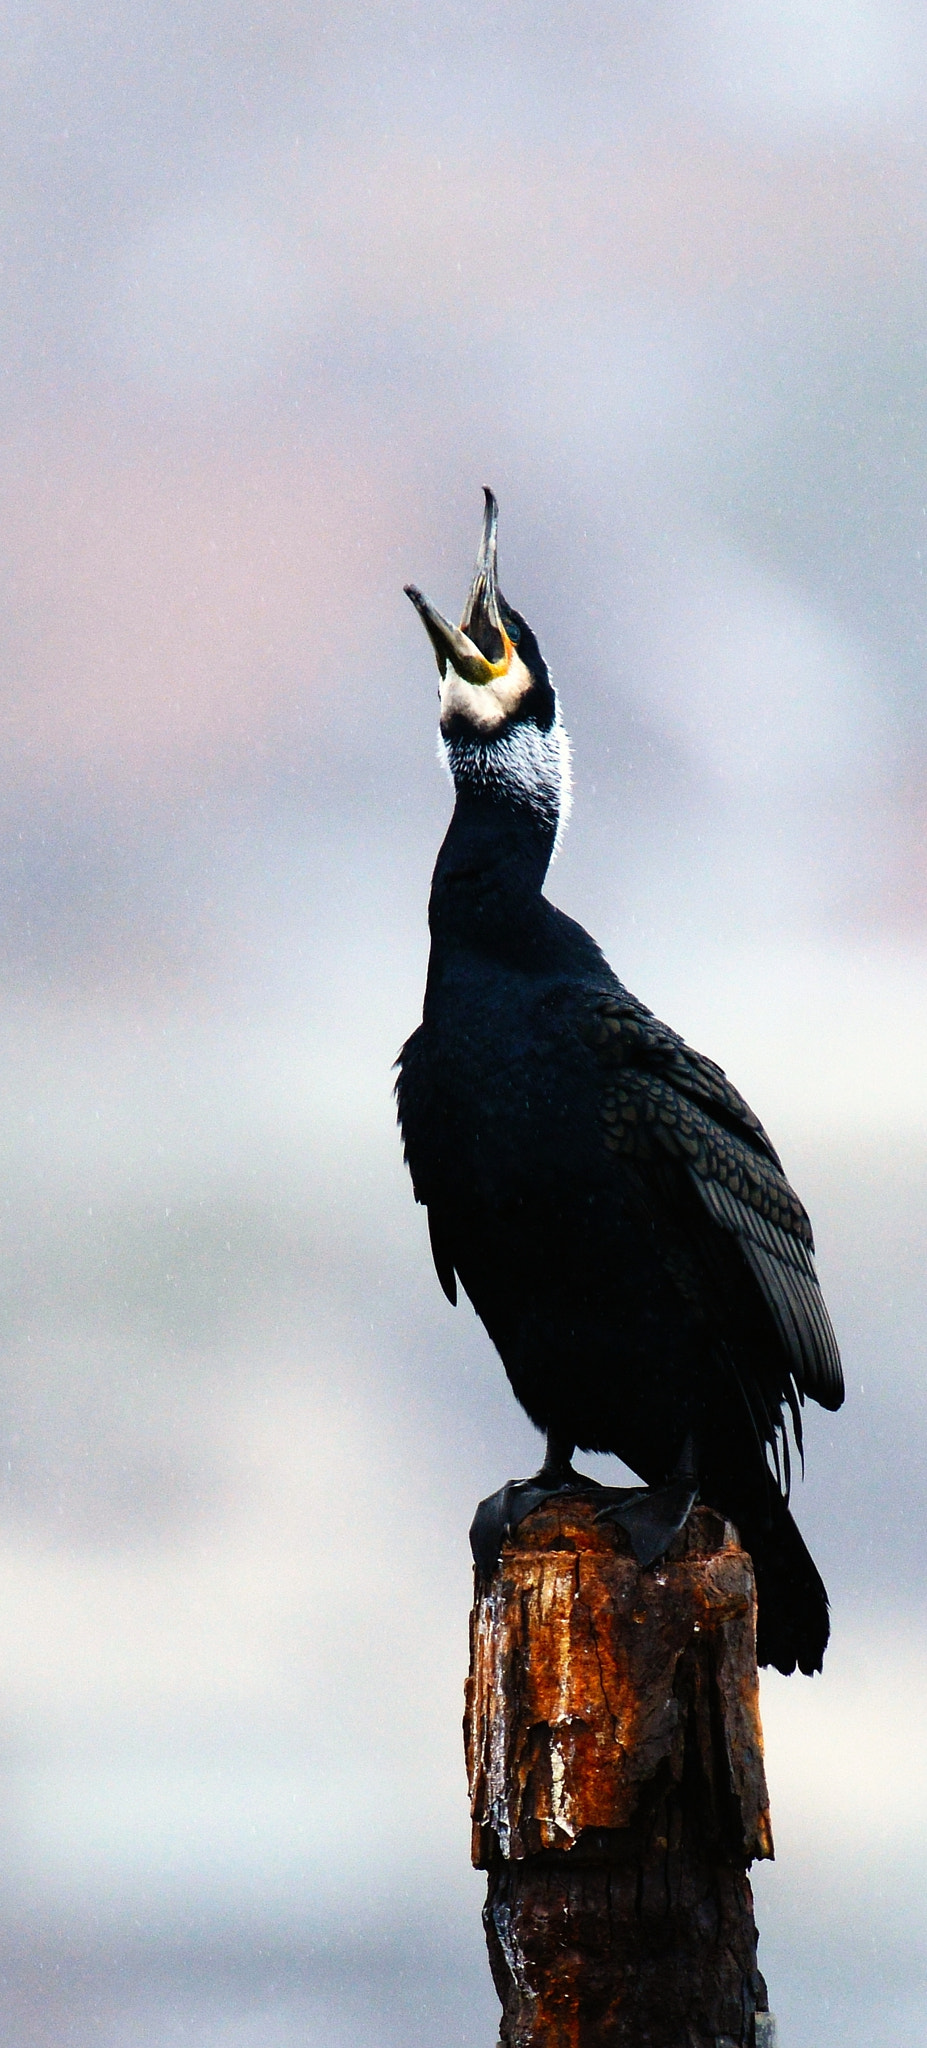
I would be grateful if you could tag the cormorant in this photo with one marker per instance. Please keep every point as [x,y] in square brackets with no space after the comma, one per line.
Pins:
[614,1210]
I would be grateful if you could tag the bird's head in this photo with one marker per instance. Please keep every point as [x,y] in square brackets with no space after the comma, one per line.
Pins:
[500,721]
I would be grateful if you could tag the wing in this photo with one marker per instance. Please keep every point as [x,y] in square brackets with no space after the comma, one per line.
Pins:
[414,1108]
[659,1099]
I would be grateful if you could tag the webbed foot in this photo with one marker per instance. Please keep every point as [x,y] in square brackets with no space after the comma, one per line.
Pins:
[501,1513]
[653,1515]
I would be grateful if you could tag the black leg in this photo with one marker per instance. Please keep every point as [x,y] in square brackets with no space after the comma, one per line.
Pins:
[557,1468]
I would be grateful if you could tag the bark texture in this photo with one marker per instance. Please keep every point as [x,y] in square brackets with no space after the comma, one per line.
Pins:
[617,1788]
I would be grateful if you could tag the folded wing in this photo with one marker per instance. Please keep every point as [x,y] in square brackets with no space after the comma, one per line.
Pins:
[659,1098]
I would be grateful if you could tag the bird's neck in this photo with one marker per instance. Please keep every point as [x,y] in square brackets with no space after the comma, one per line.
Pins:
[490,871]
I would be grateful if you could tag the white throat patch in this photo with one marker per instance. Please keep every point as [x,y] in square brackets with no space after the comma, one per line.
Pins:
[522,762]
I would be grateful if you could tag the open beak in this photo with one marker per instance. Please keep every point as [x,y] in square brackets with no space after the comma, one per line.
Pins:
[479,648]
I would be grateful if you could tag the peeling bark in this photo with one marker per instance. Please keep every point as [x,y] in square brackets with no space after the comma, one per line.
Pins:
[618,1796]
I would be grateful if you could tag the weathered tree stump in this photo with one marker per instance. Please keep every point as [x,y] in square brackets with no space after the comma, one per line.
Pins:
[617,1788]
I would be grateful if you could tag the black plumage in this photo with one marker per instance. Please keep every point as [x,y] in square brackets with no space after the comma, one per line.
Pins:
[614,1210]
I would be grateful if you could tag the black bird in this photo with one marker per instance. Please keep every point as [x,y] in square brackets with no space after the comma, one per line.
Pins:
[615,1212]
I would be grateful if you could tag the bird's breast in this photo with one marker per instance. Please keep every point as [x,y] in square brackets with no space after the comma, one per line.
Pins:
[497,1103]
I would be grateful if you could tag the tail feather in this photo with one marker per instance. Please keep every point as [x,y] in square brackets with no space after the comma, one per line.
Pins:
[793,1620]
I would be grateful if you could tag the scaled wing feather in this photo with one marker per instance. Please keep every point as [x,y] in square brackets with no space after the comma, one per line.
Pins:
[657,1092]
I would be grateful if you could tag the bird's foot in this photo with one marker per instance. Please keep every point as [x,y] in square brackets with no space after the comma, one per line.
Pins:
[499,1516]
[653,1515]
[501,1513]
[650,1515]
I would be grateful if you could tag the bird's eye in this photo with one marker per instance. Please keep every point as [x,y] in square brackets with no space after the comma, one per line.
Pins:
[513,630]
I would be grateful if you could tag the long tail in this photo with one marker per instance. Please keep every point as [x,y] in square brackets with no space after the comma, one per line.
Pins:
[793,1622]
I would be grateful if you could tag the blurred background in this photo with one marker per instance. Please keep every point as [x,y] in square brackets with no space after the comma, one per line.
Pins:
[282,288]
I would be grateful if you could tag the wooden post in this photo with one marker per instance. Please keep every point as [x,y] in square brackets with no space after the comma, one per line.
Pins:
[615,1758]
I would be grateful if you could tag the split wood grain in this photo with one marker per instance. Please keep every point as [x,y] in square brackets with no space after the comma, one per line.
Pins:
[618,1794]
